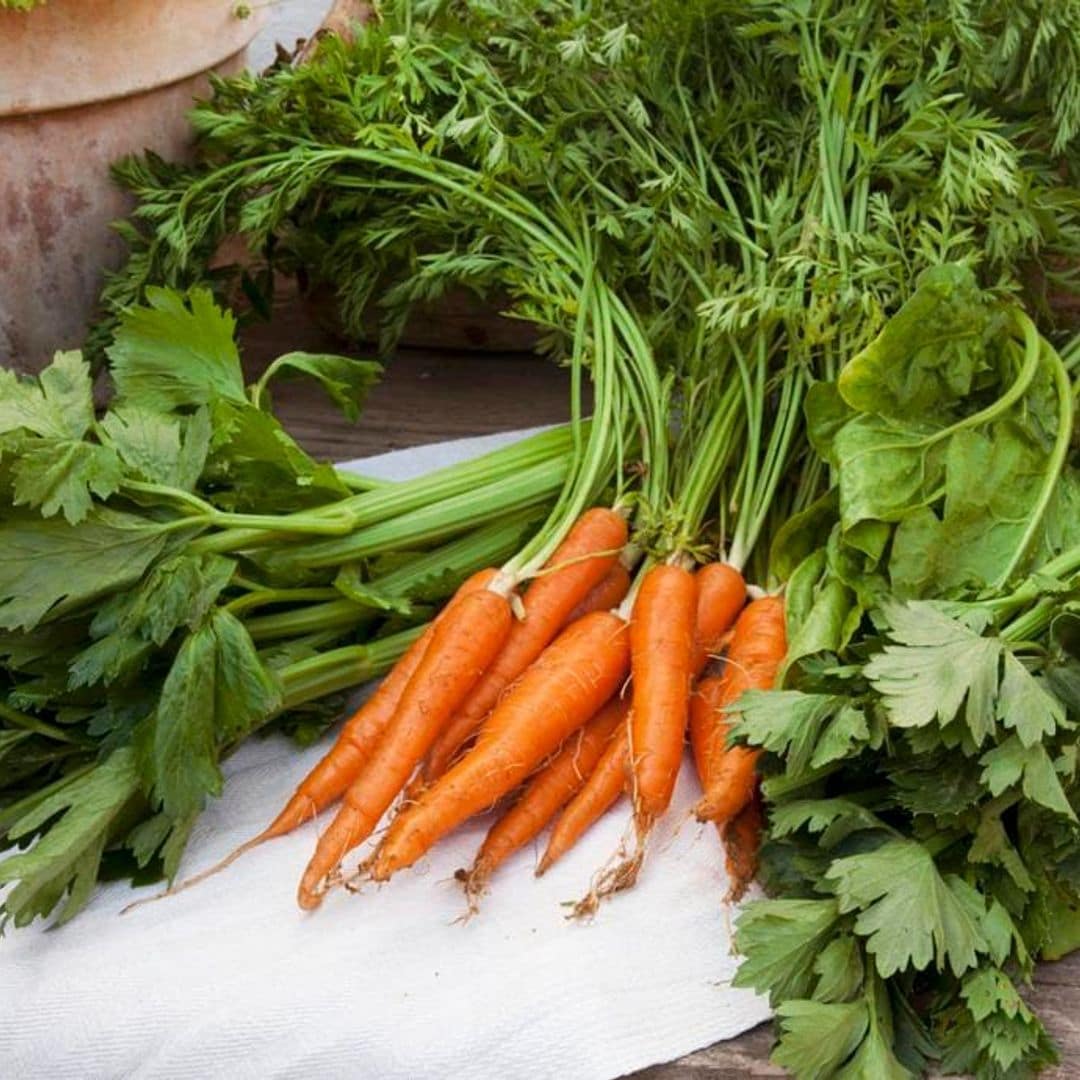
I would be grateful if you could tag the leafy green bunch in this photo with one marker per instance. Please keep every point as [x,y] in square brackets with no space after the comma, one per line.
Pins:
[921,765]
[759,184]
[166,589]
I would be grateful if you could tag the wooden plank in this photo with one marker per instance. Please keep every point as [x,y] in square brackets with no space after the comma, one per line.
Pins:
[428,396]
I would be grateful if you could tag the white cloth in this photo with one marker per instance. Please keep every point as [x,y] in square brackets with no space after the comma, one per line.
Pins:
[231,980]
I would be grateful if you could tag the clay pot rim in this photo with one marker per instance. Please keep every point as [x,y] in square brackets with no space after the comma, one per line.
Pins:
[71,53]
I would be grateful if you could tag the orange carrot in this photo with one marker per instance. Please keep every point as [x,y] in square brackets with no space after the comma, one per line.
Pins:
[662,650]
[465,641]
[721,594]
[583,560]
[754,657]
[606,595]
[566,686]
[546,793]
[742,845]
[600,792]
[339,767]
[708,724]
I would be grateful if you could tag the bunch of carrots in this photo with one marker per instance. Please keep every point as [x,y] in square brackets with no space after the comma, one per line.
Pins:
[564,694]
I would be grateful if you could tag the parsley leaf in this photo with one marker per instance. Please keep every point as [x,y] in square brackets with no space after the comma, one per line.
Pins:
[1025,705]
[148,441]
[936,665]
[809,729]
[63,475]
[59,404]
[216,691]
[65,858]
[816,1038]
[254,462]
[781,940]
[909,914]
[48,567]
[1013,763]
[345,380]
[176,351]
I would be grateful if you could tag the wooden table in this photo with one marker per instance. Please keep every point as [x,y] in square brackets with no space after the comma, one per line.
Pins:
[429,396]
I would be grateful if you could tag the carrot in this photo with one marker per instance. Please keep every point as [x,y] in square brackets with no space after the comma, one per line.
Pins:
[742,845]
[546,793]
[566,686]
[708,724]
[465,641]
[339,767]
[600,792]
[604,596]
[580,563]
[662,650]
[754,657]
[721,594]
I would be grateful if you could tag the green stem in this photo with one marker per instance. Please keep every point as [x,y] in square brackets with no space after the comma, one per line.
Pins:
[266,597]
[361,482]
[437,521]
[39,727]
[341,669]
[436,572]
[341,614]
[1033,352]
[319,523]
[395,499]
[1057,455]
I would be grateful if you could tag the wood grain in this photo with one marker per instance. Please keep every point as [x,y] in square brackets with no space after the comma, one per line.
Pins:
[427,396]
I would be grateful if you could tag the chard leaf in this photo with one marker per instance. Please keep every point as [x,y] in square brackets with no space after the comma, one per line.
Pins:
[176,352]
[822,627]
[59,404]
[936,665]
[346,381]
[826,415]
[992,482]
[62,476]
[1061,522]
[887,470]
[48,567]
[928,353]
[909,914]
[802,534]
[800,591]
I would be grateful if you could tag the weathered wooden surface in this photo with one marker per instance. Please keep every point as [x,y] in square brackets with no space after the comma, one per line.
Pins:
[430,396]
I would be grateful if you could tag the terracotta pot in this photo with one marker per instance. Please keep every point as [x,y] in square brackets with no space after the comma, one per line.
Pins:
[82,83]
